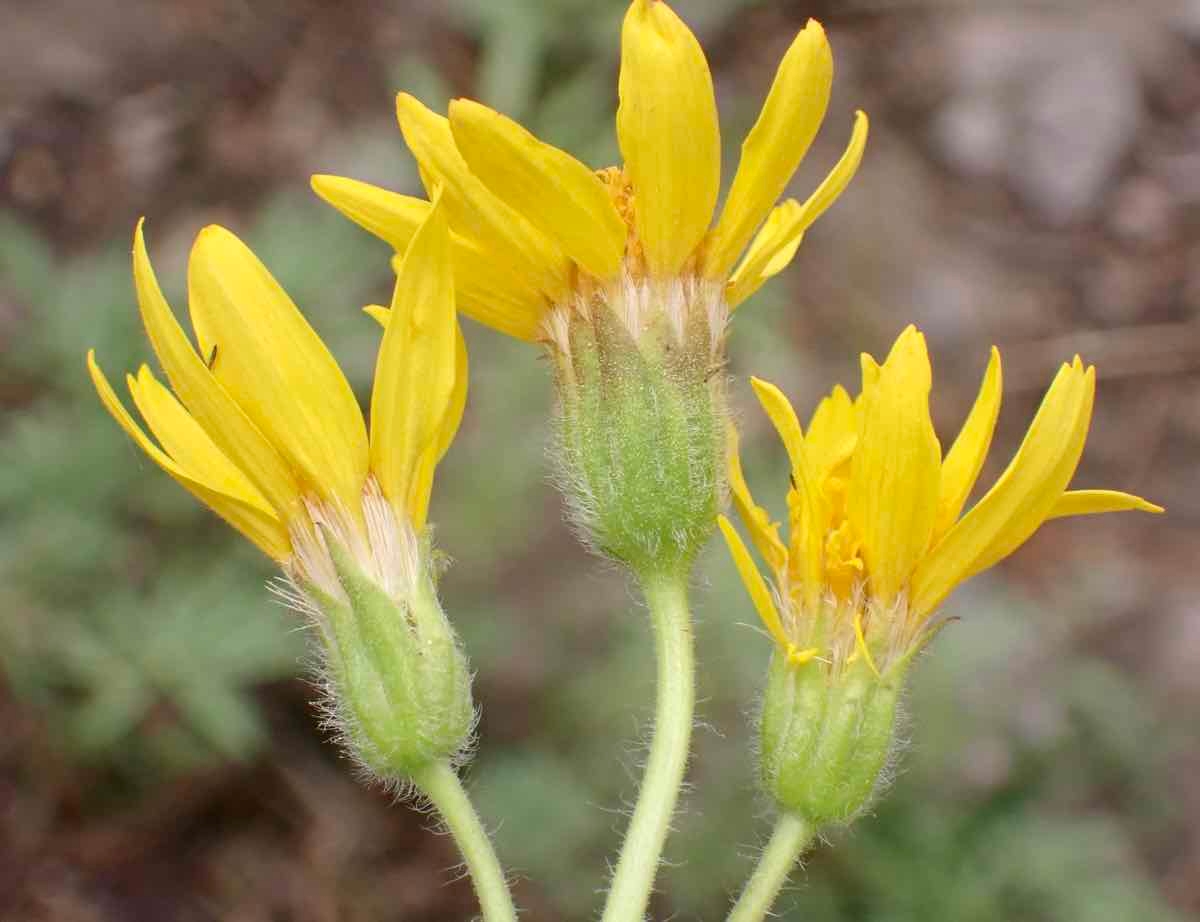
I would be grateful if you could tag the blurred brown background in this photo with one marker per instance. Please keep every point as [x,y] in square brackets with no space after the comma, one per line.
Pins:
[1032,180]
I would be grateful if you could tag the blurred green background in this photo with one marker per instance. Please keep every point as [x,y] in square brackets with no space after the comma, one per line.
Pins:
[1032,180]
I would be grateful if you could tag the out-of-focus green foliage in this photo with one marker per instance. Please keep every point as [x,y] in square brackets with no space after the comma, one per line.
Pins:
[131,616]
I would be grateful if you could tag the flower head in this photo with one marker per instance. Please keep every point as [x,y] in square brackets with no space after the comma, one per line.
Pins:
[260,424]
[877,540]
[539,236]
[876,543]
[622,273]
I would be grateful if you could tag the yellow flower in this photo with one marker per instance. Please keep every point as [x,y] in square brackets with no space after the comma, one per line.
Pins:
[538,236]
[876,537]
[260,424]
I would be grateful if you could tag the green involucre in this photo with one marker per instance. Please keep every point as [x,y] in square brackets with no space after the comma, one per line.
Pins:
[400,681]
[826,737]
[641,440]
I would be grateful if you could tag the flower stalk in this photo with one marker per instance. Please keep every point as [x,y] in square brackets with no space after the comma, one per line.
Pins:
[789,840]
[637,866]
[440,783]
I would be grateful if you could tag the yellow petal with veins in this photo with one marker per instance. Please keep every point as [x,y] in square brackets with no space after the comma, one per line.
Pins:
[388,215]
[896,470]
[212,406]
[415,371]
[560,196]
[775,146]
[966,456]
[771,251]
[186,442]
[776,244]
[257,524]
[489,290]
[452,417]
[472,211]
[1021,499]
[760,595]
[668,132]
[489,296]
[422,483]
[1092,502]
[276,367]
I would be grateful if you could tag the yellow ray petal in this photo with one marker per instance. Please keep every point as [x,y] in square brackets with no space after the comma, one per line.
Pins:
[212,406]
[489,289]
[832,432]
[760,595]
[256,523]
[775,146]
[1092,502]
[472,210]
[452,418]
[1021,499]
[187,443]
[559,195]
[422,482]
[524,326]
[667,128]
[415,371]
[276,367]
[869,369]
[457,405]
[896,469]
[776,244]
[763,532]
[966,456]
[388,215]
[807,539]
[771,250]
[491,296]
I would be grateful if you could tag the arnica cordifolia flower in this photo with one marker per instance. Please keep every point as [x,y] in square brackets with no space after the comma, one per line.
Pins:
[263,428]
[876,545]
[622,273]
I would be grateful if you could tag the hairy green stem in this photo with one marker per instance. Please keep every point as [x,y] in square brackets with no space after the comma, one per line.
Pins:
[440,783]
[638,864]
[791,837]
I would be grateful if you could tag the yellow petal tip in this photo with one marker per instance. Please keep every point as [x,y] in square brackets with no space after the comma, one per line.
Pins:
[378,313]
[815,32]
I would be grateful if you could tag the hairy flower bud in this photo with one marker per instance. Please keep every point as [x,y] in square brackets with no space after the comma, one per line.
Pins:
[642,417]
[400,683]
[826,737]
